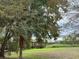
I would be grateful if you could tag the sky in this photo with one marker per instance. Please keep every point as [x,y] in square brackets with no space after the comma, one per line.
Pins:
[70,20]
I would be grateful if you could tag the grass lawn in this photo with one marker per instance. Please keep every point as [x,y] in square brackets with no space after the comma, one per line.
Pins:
[48,53]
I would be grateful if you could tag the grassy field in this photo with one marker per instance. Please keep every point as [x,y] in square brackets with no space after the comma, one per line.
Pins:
[48,53]
[61,45]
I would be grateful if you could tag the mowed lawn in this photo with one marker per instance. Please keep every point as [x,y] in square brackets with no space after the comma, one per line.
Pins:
[49,53]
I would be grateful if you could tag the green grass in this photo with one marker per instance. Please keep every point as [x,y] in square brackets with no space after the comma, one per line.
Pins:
[61,45]
[30,53]
[49,53]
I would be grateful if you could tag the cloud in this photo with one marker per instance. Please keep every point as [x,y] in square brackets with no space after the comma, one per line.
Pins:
[69,23]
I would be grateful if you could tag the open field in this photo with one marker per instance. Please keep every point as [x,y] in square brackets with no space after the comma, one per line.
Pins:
[49,53]
[61,45]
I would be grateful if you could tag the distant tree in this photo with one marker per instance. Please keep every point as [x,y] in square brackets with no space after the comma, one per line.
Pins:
[71,39]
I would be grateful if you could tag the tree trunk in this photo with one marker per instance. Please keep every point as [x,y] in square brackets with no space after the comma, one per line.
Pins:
[21,45]
[1,53]
[7,37]
[2,49]
[20,53]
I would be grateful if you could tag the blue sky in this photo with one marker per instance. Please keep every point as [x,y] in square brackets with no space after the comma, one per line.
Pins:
[69,23]
[70,20]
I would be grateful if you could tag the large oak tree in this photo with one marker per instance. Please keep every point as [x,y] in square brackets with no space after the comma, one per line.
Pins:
[27,17]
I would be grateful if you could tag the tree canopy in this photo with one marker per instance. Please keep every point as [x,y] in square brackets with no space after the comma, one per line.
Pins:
[39,16]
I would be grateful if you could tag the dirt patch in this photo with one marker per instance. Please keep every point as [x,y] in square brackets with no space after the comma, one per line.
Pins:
[65,54]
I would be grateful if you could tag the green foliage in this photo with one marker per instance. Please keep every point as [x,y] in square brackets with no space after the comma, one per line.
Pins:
[30,14]
[12,45]
[71,39]
[1,40]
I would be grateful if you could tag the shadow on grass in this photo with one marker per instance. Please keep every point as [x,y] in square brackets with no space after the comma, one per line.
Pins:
[17,58]
[11,58]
